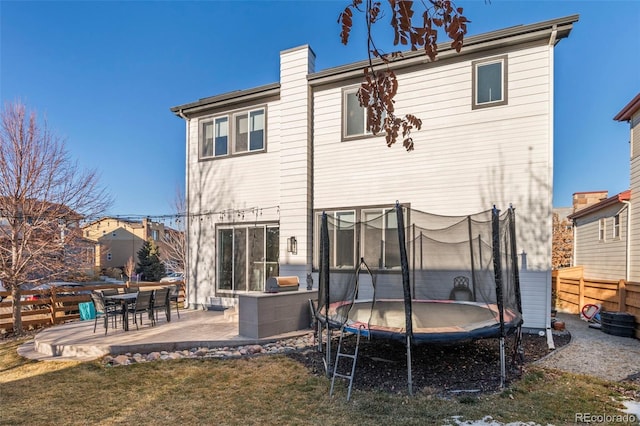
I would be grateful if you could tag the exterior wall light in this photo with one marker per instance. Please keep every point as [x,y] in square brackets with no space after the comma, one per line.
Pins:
[292,245]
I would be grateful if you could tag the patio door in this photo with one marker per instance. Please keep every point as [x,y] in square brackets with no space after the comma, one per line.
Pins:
[247,256]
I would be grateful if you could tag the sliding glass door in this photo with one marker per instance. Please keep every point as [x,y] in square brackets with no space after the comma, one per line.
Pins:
[247,256]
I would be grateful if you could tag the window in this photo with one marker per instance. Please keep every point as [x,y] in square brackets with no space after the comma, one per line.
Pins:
[616,226]
[373,237]
[247,129]
[221,136]
[206,137]
[601,229]
[109,257]
[155,234]
[380,238]
[247,256]
[113,234]
[489,82]
[354,117]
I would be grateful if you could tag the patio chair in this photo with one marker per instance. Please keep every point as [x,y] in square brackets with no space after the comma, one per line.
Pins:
[104,310]
[174,295]
[161,303]
[460,290]
[143,304]
[109,291]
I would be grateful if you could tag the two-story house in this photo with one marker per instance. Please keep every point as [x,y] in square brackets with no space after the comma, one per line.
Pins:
[263,163]
[117,239]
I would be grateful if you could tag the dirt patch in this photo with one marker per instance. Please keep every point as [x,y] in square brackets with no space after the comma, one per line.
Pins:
[437,369]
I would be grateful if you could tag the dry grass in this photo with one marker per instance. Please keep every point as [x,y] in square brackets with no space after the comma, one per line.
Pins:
[264,390]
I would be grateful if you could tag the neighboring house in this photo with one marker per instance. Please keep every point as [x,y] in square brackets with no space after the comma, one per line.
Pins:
[116,240]
[607,233]
[631,114]
[263,163]
[600,237]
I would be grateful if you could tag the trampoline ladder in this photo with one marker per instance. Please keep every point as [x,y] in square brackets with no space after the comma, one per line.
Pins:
[353,357]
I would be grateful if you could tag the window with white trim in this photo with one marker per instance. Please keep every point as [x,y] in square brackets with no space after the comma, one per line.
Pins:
[616,226]
[602,227]
[354,117]
[237,133]
[489,82]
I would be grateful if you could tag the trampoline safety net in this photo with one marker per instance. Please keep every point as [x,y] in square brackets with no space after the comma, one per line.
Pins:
[404,272]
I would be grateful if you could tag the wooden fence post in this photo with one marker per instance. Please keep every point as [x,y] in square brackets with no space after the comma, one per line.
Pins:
[581,294]
[52,306]
[622,296]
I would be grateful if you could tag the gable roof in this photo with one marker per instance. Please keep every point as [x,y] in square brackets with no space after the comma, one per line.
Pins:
[629,110]
[618,198]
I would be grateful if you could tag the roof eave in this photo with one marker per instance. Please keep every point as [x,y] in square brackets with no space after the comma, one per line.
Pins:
[618,198]
[227,99]
[491,40]
[629,110]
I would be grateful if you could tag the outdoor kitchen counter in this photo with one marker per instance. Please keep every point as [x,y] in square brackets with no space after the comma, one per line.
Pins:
[268,314]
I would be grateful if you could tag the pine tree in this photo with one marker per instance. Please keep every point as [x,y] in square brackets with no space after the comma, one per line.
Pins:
[149,264]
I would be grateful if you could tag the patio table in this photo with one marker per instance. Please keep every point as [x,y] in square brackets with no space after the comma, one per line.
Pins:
[124,299]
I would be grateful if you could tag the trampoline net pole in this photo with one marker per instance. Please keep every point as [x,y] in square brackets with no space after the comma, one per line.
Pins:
[503,369]
[406,291]
[323,294]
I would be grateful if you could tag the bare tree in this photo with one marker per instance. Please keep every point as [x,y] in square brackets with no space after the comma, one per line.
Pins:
[43,197]
[174,242]
[417,31]
[562,246]
[130,268]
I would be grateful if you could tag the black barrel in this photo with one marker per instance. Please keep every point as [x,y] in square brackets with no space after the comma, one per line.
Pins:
[618,323]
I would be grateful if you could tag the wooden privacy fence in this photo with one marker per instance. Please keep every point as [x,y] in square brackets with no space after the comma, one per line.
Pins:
[572,291]
[53,308]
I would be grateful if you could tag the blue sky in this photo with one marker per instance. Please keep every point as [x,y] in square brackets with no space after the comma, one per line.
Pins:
[104,74]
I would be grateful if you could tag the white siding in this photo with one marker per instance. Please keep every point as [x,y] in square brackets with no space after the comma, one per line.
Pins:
[295,161]
[234,185]
[604,259]
[464,160]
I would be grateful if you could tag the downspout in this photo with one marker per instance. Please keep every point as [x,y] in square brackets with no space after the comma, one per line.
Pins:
[552,43]
[186,205]
[627,254]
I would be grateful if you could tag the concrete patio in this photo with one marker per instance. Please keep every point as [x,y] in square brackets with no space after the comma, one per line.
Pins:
[76,341]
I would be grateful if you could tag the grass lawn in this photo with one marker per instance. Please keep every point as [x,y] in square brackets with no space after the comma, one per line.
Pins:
[266,390]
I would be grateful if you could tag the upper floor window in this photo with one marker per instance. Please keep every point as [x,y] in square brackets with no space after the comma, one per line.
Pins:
[354,117]
[602,229]
[155,234]
[489,82]
[241,132]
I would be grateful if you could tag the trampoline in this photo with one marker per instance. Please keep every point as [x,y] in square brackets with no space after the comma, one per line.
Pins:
[435,279]
[434,321]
